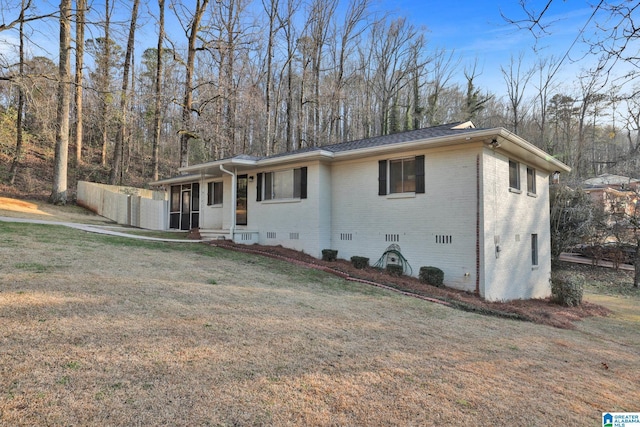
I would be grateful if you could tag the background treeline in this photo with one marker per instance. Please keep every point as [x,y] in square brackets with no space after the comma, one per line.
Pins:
[157,85]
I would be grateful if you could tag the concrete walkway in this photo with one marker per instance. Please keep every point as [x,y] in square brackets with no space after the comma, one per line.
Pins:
[109,230]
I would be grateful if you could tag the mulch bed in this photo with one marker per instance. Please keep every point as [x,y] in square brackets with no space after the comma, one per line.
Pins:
[541,311]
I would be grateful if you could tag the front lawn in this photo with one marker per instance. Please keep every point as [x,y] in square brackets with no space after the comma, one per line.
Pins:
[100,330]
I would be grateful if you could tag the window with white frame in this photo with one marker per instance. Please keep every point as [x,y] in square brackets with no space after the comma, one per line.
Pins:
[282,185]
[531,180]
[404,175]
[514,174]
[214,193]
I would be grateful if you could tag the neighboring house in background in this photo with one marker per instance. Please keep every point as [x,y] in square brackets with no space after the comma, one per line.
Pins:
[618,195]
[472,202]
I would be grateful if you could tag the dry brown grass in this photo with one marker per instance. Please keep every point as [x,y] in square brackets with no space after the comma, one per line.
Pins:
[98,330]
[41,210]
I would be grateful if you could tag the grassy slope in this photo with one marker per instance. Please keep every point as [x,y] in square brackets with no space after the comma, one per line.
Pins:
[101,330]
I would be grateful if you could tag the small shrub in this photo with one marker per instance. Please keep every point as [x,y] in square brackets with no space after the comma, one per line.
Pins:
[432,275]
[567,288]
[360,262]
[329,254]
[395,270]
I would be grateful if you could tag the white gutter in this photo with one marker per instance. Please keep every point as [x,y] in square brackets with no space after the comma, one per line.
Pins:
[234,195]
[525,145]
[230,161]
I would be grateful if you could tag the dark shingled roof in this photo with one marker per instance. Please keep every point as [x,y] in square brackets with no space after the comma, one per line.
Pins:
[396,138]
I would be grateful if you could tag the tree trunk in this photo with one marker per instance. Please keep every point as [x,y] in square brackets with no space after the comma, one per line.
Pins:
[81,6]
[59,192]
[19,134]
[116,168]
[157,117]
[186,133]
[105,80]
[271,13]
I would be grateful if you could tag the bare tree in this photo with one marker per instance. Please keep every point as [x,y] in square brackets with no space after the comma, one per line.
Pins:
[59,193]
[288,29]
[318,24]
[589,87]
[105,78]
[81,7]
[157,117]
[271,9]
[394,48]
[442,70]
[517,80]
[192,28]
[474,101]
[116,167]
[611,32]
[353,27]
[21,99]
[546,70]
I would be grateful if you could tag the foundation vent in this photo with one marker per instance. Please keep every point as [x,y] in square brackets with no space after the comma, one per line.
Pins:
[294,236]
[271,234]
[444,239]
[245,237]
[391,237]
[346,236]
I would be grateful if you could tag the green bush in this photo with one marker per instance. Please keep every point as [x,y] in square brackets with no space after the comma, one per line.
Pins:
[432,275]
[567,288]
[395,270]
[360,262]
[329,254]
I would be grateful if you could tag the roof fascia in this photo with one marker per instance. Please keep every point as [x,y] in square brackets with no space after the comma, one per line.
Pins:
[297,157]
[233,161]
[434,142]
[175,180]
[480,135]
[556,165]
[284,159]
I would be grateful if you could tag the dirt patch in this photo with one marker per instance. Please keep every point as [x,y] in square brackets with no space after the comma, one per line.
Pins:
[541,311]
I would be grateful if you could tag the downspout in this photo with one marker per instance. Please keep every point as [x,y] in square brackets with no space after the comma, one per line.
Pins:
[234,190]
[478,225]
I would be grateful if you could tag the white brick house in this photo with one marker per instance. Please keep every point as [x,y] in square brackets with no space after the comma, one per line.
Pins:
[472,202]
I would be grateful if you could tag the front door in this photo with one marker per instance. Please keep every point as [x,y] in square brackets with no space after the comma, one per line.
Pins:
[241,200]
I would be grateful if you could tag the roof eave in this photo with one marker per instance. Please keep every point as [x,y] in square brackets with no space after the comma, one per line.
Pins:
[181,179]
[233,161]
[297,157]
[556,165]
[433,142]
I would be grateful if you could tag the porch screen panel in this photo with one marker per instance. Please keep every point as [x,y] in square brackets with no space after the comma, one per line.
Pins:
[195,197]
[174,208]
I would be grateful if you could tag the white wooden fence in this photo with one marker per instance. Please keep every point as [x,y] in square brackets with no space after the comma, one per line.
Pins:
[125,205]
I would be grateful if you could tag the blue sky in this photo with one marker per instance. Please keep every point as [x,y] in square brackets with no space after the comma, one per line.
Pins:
[475,30]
